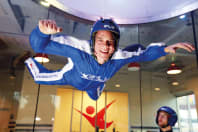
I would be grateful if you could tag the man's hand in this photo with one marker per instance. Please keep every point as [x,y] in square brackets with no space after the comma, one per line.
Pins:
[49,27]
[185,46]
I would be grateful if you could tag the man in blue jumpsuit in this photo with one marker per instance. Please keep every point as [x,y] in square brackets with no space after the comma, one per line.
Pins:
[90,63]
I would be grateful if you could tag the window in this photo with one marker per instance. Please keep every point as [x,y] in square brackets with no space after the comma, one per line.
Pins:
[187,113]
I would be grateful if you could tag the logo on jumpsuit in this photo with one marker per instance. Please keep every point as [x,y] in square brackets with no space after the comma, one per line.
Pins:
[99,116]
[93,77]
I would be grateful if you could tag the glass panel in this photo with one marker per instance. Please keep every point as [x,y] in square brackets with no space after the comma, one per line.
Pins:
[27,103]
[89,108]
[62,119]
[117,102]
[187,113]
[128,86]
[193,112]
[11,75]
[184,123]
[76,112]
[159,88]
[195,125]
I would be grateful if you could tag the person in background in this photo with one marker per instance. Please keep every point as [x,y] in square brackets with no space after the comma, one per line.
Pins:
[166,118]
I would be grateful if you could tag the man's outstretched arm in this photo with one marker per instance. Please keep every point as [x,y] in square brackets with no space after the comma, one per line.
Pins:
[137,53]
[44,39]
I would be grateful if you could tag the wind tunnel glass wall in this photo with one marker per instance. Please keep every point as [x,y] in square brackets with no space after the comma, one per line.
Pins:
[157,87]
[130,99]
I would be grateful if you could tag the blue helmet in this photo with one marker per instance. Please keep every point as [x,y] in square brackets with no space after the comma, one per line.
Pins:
[173,116]
[108,25]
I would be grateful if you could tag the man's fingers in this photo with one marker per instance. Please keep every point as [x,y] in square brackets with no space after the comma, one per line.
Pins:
[53,22]
[190,46]
[46,23]
[183,46]
[54,27]
[186,48]
[59,29]
[41,23]
[49,27]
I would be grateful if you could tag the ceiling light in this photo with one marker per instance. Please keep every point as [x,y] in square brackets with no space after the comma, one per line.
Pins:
[38,118]
[173,69]
[12,77]
[45,3]
[182,16]
[175,83]
[133,66]
[117,85]
[40,57]
[157,89]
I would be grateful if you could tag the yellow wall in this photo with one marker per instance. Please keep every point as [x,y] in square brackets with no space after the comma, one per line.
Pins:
[116,112]
[63,110]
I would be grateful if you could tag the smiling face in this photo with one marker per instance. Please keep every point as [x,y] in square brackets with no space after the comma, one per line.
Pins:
[104,46]
[163,119]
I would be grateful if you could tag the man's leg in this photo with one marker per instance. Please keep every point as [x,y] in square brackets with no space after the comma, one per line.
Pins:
[95,92]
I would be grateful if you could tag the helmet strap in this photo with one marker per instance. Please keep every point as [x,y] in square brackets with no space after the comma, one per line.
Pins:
[166,129]
[164,126]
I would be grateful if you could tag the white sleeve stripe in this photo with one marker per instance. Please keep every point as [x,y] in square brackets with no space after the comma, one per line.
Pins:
[156,44]
[73,42]
[48,76]
[125,54]
[120,54]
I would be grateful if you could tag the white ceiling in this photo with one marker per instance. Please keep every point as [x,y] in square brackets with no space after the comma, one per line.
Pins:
[128,11]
